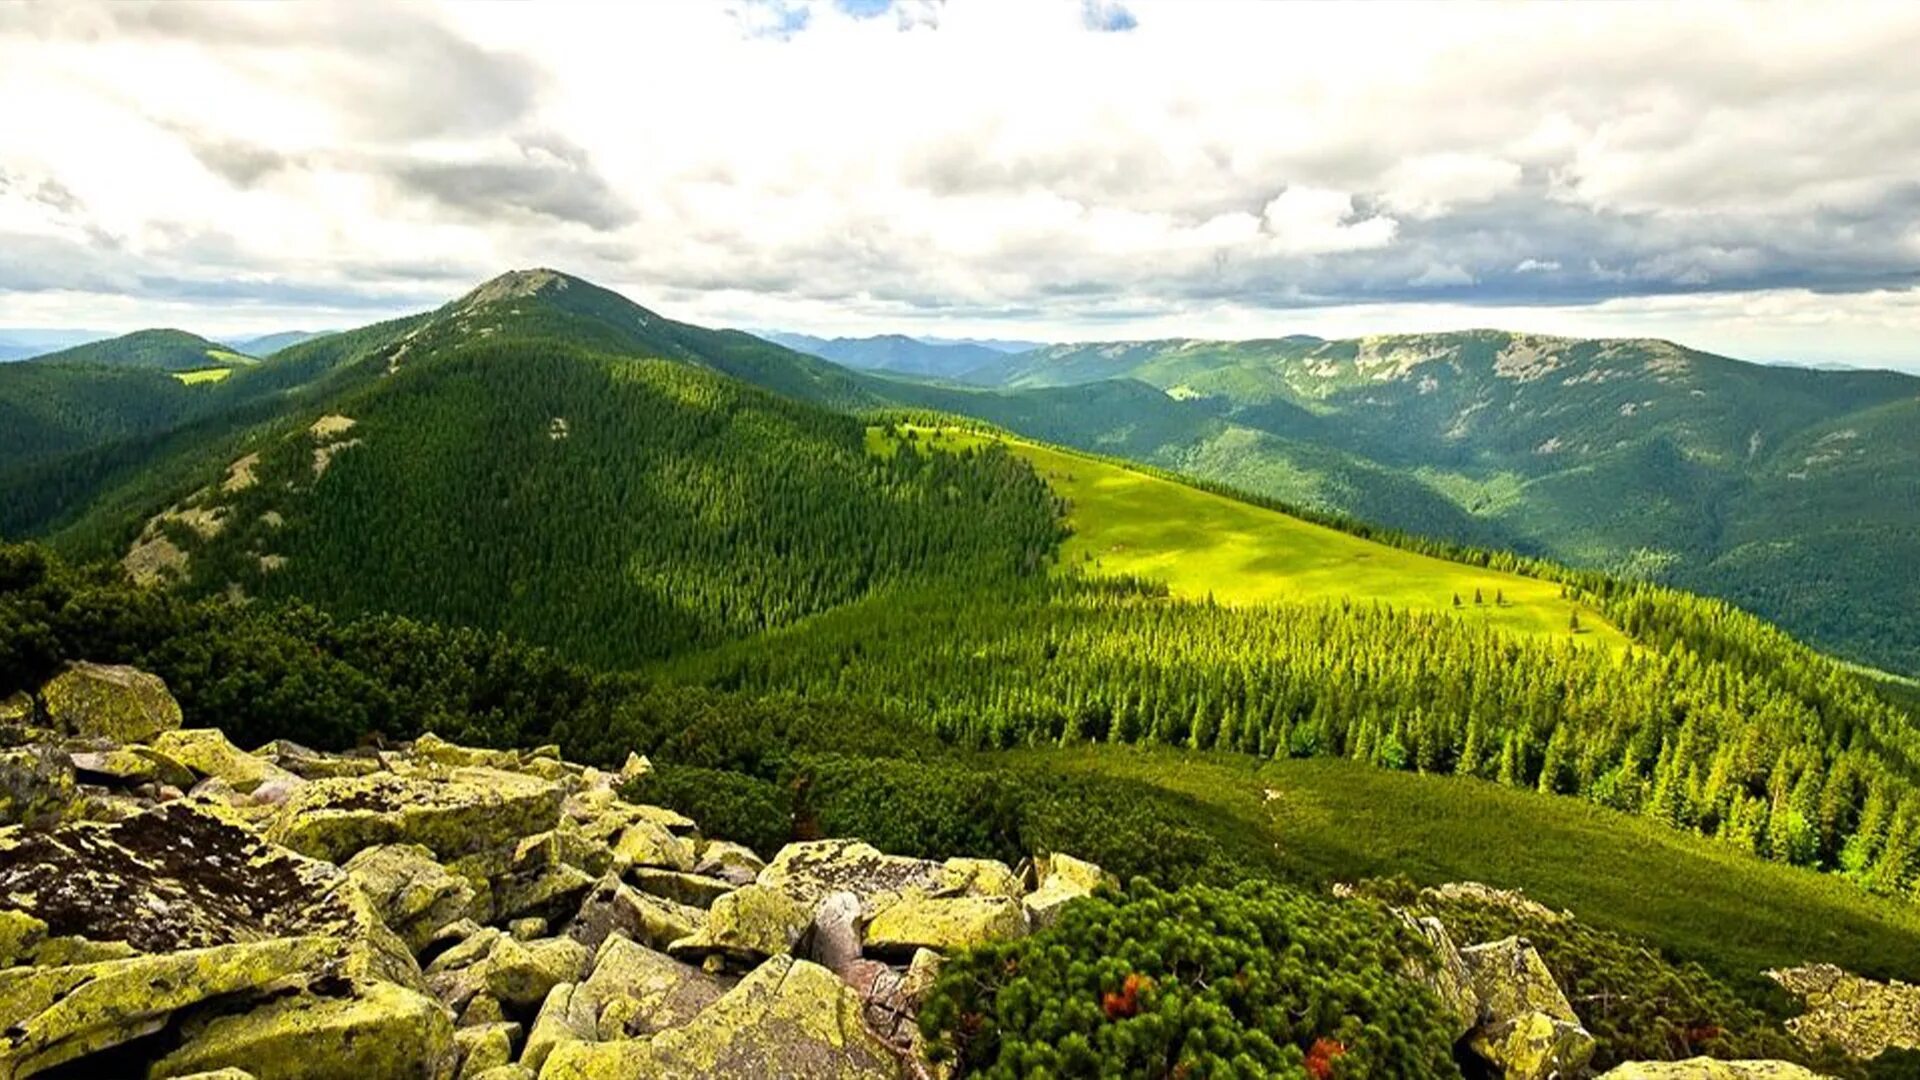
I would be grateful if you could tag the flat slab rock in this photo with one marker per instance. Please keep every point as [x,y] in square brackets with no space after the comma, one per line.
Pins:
[179,876]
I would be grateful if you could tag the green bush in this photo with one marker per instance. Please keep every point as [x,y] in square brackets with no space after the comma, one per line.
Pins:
[727,805]
[1254,981]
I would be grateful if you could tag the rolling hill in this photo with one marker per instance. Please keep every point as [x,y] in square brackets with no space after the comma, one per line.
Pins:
[151,350]
[1792,491]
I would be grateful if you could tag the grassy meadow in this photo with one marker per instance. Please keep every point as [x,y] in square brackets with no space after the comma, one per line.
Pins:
[1202,544]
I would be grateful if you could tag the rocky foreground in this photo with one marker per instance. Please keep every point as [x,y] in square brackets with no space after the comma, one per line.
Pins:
[173,906]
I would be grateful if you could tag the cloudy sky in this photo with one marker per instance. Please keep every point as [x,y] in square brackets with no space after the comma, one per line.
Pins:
[1742,178]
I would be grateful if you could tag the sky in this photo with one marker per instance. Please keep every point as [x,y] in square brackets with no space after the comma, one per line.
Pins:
[1741,178]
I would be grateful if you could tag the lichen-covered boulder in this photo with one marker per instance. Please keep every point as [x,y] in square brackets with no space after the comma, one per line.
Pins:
[944,924]
[693,890]
[109,701]
[810,870]
[1060,880]
[309,764]
[520,973]
[207,752]
[183,876]
[646,843]
[788,1018]
[451,812]
[55,1014]
[1705,1068]
[1511,901]
[125,766]
[602,814]
[413,893]
[485,1046]
[36,786]
[730,862]
[17,711]
[1530,1031]
[1445,973]
[558,1021]
[374,1029]
[431,747]
[1863,1017]
[980,877]
[635,991]
[615,907]
[747,926]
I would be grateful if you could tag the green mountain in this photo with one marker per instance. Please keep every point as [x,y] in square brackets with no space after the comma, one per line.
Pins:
[898,354]
[1792,491]
[580,473]
[151,350]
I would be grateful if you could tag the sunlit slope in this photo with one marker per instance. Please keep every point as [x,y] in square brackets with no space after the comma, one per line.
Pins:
[1334,820]
[1203,544]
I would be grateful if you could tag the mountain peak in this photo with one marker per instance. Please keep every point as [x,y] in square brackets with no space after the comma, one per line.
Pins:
[515,284]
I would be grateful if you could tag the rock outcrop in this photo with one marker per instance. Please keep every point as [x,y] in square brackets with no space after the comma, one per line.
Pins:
[109,701]
[439,911]
[1529,1030]
[1863,1017]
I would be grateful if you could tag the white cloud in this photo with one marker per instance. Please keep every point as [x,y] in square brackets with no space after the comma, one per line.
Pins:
[1318,221]
[1214,166]
[1430,184]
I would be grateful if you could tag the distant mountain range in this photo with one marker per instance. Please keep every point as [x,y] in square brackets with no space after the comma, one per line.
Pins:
[932,357]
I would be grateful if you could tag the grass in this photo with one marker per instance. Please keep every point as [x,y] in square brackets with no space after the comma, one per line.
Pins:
[231,358]
[1334,820]
[204,375]
[1202,544]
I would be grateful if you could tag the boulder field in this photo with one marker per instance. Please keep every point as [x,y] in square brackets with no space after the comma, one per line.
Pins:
[174,906]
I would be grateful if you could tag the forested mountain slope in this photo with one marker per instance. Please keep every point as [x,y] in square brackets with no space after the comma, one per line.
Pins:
[546,459]
[151,350]
[1796,492]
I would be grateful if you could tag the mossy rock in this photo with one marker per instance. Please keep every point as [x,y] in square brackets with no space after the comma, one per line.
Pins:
[694,890]
[747,925]
[485,1046]
[376,1030]
[1061,879]
[452,812]
[812,869]
[980,877]
[634,991]
[207,752]
[788,1018]
[944,924]
[111,702]
[613,907]
[57,1014]
[646,843]
[413,893]
[36,786]
[215,879]
[520,973]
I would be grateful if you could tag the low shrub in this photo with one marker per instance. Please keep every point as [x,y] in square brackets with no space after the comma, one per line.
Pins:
[1254,981]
